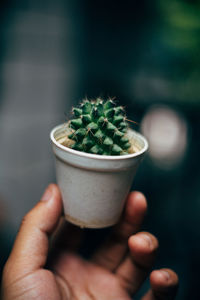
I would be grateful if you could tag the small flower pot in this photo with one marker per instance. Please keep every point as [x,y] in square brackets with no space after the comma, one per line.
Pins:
[94,187]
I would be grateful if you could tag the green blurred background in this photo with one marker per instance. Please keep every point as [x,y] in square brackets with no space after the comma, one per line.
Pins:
[146,53]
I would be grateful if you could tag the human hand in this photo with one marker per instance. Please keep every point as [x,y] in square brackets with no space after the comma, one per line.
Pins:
[116,271]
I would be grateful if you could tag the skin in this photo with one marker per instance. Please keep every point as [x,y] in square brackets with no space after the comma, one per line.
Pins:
[116,270]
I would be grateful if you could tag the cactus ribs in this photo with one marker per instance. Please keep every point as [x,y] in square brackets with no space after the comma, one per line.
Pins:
[99,127]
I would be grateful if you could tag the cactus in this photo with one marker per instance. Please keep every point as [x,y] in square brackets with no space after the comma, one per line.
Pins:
[99,127]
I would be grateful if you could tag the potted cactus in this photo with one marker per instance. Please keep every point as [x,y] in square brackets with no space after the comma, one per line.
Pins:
[97,155]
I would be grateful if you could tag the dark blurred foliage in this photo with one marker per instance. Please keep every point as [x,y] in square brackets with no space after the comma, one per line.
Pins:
[146,53]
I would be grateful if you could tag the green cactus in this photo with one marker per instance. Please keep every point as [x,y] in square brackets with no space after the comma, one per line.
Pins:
[99,127]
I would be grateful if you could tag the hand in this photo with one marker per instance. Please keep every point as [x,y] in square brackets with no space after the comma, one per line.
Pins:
[116,271]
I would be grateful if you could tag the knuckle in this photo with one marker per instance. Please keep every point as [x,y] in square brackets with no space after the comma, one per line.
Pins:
[25,220]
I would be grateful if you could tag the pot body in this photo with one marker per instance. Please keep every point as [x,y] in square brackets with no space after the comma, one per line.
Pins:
[94,187]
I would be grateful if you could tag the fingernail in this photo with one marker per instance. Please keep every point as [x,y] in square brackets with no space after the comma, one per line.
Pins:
[47,194]
[147,238]
[165,274]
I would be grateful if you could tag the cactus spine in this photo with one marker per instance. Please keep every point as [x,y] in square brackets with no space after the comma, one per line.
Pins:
[99,127]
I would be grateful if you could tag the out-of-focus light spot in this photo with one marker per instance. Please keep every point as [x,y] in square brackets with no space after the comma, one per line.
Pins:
[166,131]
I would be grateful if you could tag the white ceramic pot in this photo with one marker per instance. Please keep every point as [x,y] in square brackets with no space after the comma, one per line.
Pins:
[94,187]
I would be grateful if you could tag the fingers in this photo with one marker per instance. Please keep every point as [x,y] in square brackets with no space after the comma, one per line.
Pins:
[135,267]
[31,246]
[113,251]
[164,285]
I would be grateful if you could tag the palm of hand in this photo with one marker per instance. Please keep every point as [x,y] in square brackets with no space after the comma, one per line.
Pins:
[101,277]
[75,278]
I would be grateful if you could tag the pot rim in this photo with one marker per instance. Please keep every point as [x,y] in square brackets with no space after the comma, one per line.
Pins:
[98,156]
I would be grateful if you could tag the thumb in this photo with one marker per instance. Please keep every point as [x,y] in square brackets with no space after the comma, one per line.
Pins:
[30,249]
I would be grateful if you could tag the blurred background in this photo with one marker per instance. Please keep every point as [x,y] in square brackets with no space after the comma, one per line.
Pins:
[146,53]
